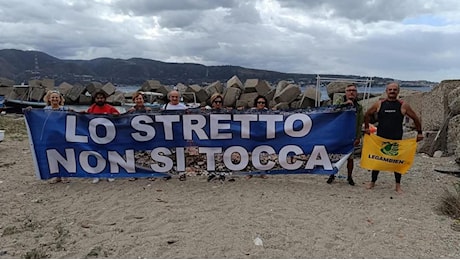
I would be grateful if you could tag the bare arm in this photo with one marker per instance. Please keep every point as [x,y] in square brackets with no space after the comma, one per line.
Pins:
[407,110]
[367,116]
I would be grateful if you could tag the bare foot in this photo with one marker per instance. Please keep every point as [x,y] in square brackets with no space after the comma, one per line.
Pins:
[370,185]
[263,176]
[247,177]
[65,180]
[398,188]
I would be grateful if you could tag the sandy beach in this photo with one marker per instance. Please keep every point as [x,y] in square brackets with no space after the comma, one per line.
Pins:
[295,216]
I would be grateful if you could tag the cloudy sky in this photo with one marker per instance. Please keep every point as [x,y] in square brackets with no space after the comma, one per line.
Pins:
[402,39]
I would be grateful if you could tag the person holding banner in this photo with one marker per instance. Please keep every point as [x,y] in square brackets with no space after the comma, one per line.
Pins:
[55,101]
[217,101]
[174,104]
[391,112]
[217,104]
[351,99]
[100,106]
[139,106]
[260,105]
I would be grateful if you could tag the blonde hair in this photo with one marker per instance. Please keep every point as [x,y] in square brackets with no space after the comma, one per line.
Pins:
[47,97]
[216,95]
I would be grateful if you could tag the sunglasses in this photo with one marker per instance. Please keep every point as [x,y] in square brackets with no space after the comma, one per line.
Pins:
[260,102]
[217,101]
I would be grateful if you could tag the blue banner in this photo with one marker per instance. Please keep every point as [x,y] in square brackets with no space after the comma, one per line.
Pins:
[158,144]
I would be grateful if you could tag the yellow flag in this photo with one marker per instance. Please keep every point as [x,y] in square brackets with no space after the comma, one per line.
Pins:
[387,155]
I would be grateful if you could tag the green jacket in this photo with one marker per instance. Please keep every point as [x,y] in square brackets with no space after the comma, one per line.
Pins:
[359,117]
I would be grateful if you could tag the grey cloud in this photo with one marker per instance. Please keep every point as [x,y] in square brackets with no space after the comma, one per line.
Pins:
[148,7]
[369,10]
[243,13]
[335,38]
[186,14]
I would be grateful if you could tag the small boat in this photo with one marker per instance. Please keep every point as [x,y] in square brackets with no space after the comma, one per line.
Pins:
[191,105]
[15,105]
[2,103]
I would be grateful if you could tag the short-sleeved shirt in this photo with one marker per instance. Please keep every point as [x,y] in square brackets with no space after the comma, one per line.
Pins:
[61,108]
[105,109]
[179,106]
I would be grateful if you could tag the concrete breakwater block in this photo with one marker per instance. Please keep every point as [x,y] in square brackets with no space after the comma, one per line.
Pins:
[258,86]
[215,87]
[247,100]
[37,93]
[74,94]
[200,93]
[109,88]
[154,86]
[234,82]
[93,87]
[231,95]
[280,86]
[288,94]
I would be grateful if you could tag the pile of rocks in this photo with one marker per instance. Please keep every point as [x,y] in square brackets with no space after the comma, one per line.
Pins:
[439,110]
[238,95]
[82,95]
[76,94]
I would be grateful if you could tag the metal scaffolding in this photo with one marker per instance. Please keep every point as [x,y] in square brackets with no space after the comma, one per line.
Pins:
[319,80]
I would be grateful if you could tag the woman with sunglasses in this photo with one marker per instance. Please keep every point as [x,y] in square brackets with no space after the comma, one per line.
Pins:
[260,104]
[217,101]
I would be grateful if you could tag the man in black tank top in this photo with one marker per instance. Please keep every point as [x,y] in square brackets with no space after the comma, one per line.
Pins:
[391,112]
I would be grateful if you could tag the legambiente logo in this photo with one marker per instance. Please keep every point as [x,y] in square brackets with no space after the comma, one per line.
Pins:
[391,149]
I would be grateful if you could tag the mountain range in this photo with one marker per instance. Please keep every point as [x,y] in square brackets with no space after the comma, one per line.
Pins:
[20,66]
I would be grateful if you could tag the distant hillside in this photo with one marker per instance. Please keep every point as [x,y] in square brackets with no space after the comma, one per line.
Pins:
[21,66]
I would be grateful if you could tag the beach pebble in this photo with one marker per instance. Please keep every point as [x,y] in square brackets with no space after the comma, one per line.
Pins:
[437,154]
[85,225]
[258,241]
